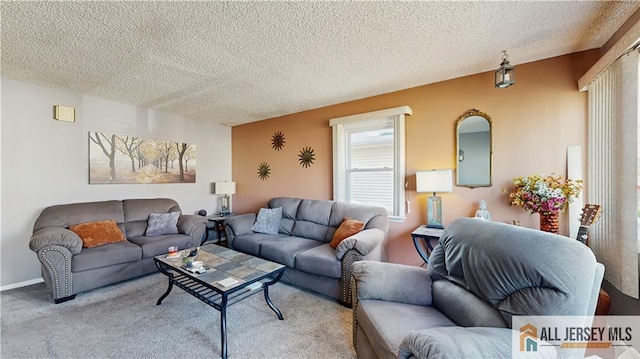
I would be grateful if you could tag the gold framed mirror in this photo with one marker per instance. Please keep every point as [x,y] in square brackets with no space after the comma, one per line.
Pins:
[474,149]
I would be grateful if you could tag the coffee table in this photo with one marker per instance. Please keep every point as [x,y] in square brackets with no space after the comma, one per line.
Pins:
[252,274]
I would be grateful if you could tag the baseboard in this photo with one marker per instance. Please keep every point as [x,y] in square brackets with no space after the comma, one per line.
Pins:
[21,284]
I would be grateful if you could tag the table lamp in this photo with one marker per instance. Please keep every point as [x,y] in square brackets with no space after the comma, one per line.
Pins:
[225,189]
[434,181]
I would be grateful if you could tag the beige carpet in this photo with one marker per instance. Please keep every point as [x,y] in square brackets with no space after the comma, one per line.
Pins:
[123,321]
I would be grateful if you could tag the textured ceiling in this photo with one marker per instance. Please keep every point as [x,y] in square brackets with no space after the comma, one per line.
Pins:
[238,62]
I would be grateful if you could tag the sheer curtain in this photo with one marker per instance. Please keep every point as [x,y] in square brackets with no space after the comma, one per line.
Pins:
[612,175]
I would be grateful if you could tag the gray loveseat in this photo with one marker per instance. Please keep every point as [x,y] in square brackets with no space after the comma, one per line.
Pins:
[480,275]
[68,268]
[302,244]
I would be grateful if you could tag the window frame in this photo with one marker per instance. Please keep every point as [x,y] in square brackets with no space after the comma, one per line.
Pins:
[341,125]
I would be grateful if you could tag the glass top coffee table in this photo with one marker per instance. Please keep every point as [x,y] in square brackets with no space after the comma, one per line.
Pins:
[230,277]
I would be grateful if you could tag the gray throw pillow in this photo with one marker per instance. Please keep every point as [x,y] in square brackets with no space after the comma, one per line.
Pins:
[268,220]
[162,223]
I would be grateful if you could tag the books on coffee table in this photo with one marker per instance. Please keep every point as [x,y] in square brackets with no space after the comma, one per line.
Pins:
[227,282]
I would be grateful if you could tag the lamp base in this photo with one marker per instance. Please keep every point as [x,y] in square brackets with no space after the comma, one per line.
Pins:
[224,206]
[434,212]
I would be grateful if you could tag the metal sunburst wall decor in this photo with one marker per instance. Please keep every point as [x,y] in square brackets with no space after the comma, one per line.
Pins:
[277,141]
[306,157]
[264,171]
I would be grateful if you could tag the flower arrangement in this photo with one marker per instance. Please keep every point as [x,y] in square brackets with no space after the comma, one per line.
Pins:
[544,194]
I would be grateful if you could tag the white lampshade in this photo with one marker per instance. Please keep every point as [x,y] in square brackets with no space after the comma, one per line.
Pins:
[224,188]
[434,181]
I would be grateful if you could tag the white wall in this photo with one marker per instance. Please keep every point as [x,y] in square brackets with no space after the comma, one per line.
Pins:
[45,162]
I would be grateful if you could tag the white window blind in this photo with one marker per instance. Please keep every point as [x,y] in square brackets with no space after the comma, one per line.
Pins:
[369,159]
[613,171]
[370,166]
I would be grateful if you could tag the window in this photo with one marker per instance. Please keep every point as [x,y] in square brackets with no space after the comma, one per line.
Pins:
[369,159]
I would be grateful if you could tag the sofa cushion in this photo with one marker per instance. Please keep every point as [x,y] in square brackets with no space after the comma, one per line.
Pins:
[320,260]
[372,216]
[268,220]
[107,255]
[386,323]
[284,250]
[136,211]
[139,209]
[347,228]
[250,243]
[162,223]
[66,215]
[99,233]
[137,228]
[312,220]
[289,212]
[154,246]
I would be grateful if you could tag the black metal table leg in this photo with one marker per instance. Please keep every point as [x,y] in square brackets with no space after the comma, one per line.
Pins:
[165,293]
[266,295]
[170,277]
[421,252]
[223,325]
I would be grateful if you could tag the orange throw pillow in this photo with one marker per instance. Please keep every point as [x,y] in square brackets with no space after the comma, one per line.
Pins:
[95,234]
[347,228]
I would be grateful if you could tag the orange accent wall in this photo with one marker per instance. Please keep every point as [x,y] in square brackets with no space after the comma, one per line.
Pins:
[533,123]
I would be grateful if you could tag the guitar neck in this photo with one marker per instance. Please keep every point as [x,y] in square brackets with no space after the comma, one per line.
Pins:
[590,214]
[582,234]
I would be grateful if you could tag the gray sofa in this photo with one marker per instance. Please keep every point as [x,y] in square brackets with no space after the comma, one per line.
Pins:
[68,268]
[480,275]
[302,244]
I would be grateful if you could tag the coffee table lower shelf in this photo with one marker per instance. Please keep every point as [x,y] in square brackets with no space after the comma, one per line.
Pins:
[216,298]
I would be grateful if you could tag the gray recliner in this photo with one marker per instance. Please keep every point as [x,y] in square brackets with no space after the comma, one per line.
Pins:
[480,275]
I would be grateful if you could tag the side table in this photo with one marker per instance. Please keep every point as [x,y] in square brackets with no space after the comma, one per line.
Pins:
[423,236]
[218,225]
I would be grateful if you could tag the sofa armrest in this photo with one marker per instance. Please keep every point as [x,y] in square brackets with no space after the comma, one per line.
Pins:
[186,222]
[55,266]
[241,224]
[391,282]
[363,242]
[460,342]
[193,225]
[55,236]
[238,225]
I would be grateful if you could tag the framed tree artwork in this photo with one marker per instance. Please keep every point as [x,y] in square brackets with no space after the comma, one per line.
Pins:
[131,159]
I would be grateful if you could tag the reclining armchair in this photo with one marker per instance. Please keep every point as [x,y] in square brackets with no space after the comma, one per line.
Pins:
[480,275]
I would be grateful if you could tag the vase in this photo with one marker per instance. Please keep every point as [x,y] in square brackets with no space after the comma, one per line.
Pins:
[549,222]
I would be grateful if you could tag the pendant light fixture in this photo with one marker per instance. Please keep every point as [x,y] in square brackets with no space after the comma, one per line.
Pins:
[506,74]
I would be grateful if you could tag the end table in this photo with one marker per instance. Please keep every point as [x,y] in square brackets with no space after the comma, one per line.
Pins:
[424,236]
[218,225]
